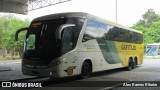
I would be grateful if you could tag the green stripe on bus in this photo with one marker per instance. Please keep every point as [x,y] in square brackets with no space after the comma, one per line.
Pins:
[109,51]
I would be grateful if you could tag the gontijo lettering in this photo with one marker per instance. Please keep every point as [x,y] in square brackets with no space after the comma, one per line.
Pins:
[128,47]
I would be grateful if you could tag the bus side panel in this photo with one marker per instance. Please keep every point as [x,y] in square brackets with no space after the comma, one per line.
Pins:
[111,57]
[130,50]
[102,53]
[88,51]
[107,55]
[140,49]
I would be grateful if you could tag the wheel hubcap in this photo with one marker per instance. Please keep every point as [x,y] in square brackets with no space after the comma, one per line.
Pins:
[86,70]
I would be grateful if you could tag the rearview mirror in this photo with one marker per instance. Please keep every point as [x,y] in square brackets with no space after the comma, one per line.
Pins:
[61,28]
[18,31]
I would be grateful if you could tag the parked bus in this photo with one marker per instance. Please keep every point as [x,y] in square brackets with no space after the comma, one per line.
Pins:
[152,49]
[67,44]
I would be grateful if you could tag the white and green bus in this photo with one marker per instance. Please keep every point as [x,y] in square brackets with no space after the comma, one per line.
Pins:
[67,44]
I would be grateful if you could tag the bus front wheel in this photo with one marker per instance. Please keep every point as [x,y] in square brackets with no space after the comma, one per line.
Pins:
[86,70]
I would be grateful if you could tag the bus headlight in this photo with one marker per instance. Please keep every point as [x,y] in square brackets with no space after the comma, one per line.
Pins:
[55,62]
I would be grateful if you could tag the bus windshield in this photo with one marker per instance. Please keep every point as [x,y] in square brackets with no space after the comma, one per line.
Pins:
[41,42]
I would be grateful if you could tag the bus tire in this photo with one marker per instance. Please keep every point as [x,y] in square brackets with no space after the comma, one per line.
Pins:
[130,64]
[86,70]
[134,64]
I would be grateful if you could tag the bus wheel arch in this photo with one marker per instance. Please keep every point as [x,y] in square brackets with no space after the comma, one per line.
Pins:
[86,68]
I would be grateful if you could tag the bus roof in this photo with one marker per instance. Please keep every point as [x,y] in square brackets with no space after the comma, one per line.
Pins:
[154,44]
[83,15]
[61,15]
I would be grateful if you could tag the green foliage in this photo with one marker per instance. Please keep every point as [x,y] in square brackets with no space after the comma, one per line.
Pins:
[9,24]
[148,18]
[150,26]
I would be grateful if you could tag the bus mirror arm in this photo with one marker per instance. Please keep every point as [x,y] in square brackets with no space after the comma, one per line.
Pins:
[61,28]
[18,31]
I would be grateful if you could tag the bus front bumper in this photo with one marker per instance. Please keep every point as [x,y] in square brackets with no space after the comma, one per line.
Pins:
[51,71]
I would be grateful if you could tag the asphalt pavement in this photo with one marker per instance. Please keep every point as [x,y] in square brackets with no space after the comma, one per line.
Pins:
[149,71]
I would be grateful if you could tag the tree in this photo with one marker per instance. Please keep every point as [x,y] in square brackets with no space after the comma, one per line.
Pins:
[155,31]
[150,26]
[8,26]
[148,18]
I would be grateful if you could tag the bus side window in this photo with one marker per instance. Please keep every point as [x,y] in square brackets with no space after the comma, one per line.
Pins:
[92,31]
[104,28]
